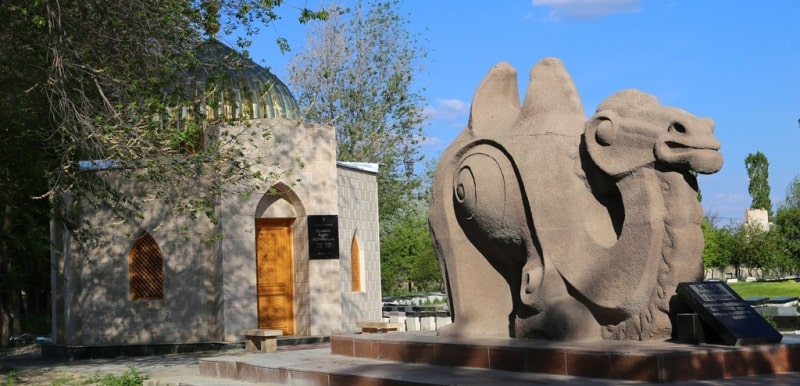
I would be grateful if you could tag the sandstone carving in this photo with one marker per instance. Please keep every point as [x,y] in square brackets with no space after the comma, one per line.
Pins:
[551,226]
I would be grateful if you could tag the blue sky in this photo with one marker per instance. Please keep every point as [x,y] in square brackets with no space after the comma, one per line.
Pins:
[734,61]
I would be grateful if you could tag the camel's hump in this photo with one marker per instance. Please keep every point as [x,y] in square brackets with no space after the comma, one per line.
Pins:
[552,103]
[495,105]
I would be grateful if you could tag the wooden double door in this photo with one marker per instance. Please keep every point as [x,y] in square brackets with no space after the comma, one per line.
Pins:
[275,275]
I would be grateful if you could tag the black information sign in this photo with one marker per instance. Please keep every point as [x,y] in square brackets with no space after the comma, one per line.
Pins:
[323,237]
[727,314]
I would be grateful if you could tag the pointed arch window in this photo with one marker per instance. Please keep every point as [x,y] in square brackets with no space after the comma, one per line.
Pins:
[355,265]
[146,269]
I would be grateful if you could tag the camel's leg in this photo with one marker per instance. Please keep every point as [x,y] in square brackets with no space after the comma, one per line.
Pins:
[479,295]
[562,317]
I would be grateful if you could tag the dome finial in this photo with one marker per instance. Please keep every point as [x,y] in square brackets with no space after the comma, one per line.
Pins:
[211,22]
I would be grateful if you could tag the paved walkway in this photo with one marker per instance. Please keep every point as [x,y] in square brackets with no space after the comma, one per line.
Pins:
[33,369]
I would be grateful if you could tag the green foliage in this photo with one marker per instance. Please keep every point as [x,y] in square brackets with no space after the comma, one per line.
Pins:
[357,74]
[792,199]
[130,377]
[758,171]
[11,379]
[748,246]
[768,289]
[408,261]
[24,160]
[787,221]
[756,248]
[719,245]
[434,302]
[714,255]
[774,251]
[307,15]
[771,320]
[107,82]
[119,84]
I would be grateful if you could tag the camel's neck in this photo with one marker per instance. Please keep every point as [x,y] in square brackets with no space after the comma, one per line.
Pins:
[637,250]
[670,207]
[625,251]
[684,237]
[664,200]
[680,196]
[627,260]
[674,243]
[661,228]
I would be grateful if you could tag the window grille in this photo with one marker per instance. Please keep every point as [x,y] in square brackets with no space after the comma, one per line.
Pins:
[146,269]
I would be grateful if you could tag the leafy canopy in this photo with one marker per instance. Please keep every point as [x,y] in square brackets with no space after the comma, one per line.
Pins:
[357,74]
[758,171]
[106,82]
[127,88]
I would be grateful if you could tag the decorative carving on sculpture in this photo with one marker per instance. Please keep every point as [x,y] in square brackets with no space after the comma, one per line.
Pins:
[551,226]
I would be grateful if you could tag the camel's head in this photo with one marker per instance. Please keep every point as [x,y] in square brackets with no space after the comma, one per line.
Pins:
[631,129]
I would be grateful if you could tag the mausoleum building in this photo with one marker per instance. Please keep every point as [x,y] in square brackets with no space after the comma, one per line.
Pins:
[300,254]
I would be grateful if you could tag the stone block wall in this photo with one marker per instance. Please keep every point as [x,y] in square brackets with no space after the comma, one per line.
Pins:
[358,217]
[326,306]
[299,160]
[92,302]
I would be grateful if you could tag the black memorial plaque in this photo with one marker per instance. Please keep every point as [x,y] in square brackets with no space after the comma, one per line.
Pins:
[323,237]
[727,314]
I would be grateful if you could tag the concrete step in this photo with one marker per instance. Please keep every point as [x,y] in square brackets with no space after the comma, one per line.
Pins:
[197,381]
[319,367]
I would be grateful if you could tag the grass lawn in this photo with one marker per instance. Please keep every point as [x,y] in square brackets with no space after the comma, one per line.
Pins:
[771,289]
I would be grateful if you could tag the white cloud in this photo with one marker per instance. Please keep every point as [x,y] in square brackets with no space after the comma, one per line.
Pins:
[725,207]
[431,141]
[586,9]
[732,198]
[454,104]
[448,109]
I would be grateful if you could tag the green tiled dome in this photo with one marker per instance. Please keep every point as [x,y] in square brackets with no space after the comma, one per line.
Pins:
[237,88]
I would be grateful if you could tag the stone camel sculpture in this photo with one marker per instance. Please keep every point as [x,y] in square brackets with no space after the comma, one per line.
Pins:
[547,225]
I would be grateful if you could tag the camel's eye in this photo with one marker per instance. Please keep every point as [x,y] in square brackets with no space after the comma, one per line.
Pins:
[678,128]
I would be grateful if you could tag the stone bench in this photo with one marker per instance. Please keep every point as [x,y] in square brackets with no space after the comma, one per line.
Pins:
[378,327]
[259,339]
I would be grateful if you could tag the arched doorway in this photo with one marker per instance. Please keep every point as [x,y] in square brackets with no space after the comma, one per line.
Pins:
[274,277]
[276,220]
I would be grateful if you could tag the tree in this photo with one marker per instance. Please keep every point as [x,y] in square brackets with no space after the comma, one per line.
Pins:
[24,158]
[757,249]
[787,225]
[104,82]
[714,255]
[408,261]
[357,74]
[775,250]
[787,221]
[793,193]
[128,87]
[758,172]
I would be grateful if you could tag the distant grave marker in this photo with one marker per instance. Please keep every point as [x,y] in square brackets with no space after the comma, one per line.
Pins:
[726,314]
